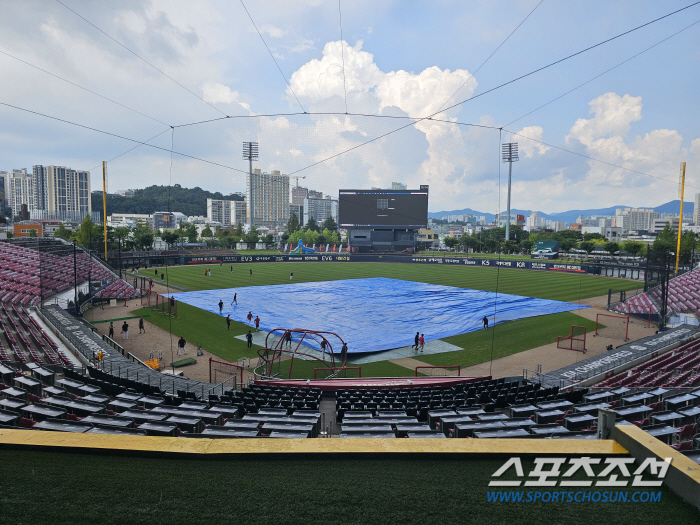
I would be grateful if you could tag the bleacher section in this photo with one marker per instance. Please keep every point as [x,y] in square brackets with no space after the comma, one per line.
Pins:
[27,341]
[683,296]
[119,289]
[29,275]
[100,403]
[676,369]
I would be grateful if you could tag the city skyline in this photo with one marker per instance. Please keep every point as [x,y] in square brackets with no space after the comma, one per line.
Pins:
[637,125]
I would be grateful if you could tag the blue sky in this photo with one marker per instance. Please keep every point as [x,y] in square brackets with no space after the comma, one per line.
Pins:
[401,58]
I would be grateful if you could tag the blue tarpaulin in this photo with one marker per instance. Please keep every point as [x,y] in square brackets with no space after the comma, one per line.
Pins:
[373,314]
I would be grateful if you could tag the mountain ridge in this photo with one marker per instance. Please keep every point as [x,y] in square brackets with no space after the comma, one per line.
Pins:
[570,216]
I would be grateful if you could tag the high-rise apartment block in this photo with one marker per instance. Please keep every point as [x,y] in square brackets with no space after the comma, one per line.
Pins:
[5,188]
[226,212]
[22,190]
[635,219]
[68,193]
[696,210]
[299,194]
[267,199]
[41,193]
[49,192]
[320,209]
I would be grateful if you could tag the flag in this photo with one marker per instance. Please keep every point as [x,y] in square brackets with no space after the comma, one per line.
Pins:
[327,247]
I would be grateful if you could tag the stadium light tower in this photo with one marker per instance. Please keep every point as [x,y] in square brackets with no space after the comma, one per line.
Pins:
[250,153]
[509,154]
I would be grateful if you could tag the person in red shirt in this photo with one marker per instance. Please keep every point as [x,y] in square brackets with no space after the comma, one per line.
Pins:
[257,322]
[421,341]
[249,317]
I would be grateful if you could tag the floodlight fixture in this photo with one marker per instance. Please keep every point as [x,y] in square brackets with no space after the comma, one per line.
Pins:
[509,154]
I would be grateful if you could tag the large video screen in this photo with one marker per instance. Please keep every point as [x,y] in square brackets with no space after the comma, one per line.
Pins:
[383,208]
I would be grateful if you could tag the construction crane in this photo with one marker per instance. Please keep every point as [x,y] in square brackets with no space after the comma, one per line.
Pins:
[297,178]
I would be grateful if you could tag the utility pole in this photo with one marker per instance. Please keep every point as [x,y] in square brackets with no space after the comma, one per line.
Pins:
[250,153]
[509,154]
[104,203]
[680,219]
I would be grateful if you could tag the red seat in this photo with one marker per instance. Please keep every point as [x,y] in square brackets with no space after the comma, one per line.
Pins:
[683,445]
[26,423]
[688,431]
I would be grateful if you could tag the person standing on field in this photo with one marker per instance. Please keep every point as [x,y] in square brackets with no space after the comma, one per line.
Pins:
[249,338]
[221,306]
[181,346]
[228,322]
[416,340]
[486,322]
[257,322]
[235,300]
[125,331]
[249,317]
[141,326]
[422,342]
[111,330]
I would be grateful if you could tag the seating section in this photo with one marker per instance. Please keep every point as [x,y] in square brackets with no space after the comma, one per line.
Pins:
[679,368]
[27,341]
[119,289]
[493,408]
[78,403]
[27,274]
[639,304]
[683,296]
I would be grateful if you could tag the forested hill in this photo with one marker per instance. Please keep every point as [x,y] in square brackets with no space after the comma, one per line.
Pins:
[190,201]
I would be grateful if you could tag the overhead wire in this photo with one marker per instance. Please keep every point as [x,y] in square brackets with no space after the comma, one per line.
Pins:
[604,72]
[141,143]
[139,57]
[559,61]
[272,56]
[342,54]
[146,142]
[489,57]
[83,88]
[132,149]
[595,159]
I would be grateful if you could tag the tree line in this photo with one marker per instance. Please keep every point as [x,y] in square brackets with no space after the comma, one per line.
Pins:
[522,241]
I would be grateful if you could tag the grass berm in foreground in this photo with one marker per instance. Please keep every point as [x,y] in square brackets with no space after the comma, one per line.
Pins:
[74,489]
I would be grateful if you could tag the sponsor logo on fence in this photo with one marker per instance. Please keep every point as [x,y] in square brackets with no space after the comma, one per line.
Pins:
[597,363]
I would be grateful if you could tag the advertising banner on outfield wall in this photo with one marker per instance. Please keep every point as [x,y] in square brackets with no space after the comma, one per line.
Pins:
[454,261]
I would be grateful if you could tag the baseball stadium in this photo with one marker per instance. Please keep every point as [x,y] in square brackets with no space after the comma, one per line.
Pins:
[539,366]
[210,341]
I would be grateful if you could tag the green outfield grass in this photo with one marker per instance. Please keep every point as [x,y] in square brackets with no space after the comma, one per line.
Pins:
[199,326]
[71,488]
[540,284]
[205,328]
[509,338]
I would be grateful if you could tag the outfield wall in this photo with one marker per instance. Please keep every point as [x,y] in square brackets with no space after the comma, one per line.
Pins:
[622,271]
